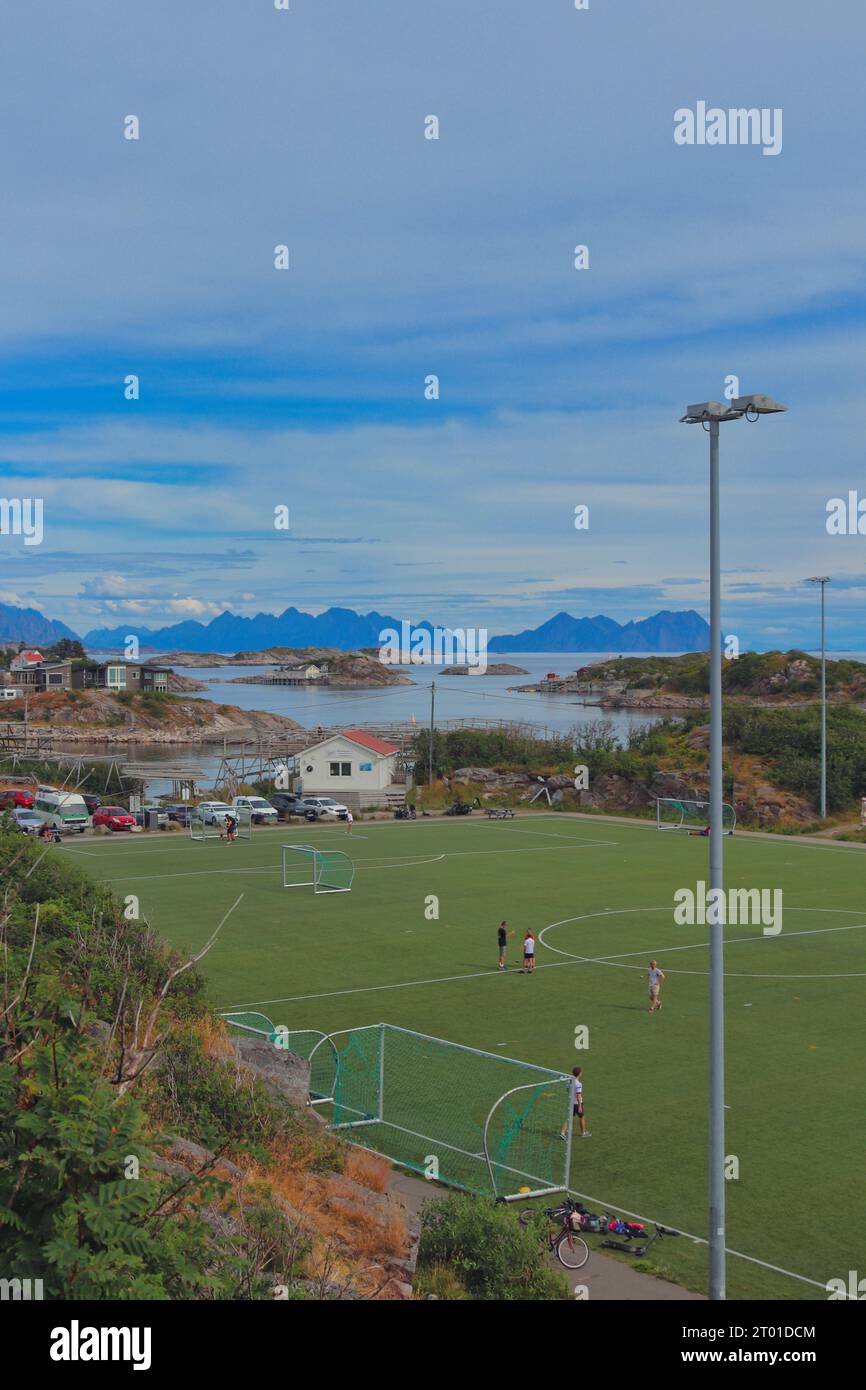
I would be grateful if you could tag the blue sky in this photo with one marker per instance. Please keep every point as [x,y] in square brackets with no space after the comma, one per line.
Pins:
[411,257]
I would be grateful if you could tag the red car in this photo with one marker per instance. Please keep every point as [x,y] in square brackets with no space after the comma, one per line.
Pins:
[113,818]
[16,796]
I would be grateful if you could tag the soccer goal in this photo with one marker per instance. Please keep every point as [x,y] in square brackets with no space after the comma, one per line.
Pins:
[202,830]
[674,814]
[469,1119]
[323,870]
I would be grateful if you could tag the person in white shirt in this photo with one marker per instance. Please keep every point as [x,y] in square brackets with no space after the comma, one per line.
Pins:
[654,979]
[349,823]
[528,953]
[577,1108]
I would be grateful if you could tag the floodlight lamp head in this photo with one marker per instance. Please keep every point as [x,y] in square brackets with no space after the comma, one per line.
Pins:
[709,411]
[753,406]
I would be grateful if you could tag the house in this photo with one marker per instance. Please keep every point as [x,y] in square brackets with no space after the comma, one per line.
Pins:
[41,675]
[120,675]
[354,767]
[298,673]
[25,659]
[30,671]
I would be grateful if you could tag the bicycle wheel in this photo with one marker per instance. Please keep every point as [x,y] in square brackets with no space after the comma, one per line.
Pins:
[572,1250]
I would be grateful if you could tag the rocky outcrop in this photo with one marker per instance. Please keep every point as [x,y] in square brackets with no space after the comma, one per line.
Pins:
[103,716]
[498,668]
[283,1073]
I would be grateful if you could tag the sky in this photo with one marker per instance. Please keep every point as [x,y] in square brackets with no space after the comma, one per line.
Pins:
[410,258]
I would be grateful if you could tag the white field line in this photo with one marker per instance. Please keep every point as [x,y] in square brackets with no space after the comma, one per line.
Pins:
[448,854]
[700,945]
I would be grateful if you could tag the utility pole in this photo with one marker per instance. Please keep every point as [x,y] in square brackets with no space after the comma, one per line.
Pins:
[823,580]
[430,749]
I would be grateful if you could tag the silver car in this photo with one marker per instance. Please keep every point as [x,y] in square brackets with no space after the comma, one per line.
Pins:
[26,821]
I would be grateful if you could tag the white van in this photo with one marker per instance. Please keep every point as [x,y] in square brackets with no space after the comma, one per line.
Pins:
[261,811]
[64,809]
[8,692]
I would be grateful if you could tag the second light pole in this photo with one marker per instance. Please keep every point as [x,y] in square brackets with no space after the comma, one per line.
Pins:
[823,580]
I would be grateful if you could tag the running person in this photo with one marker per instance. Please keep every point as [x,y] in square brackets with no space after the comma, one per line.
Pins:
[577,1108]
[654,980]
[350,820]
[502,936]
[528,953]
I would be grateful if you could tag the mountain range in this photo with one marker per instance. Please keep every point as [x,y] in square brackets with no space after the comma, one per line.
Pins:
[664,632]
[347,630]
[29,625]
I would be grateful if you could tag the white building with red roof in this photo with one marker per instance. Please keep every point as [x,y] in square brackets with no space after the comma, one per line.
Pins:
[26,658]
[354,767]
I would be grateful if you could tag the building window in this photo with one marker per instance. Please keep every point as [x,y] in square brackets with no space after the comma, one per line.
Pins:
[116,677]
[340,769]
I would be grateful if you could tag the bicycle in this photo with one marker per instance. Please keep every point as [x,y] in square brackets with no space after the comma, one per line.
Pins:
[569,1248]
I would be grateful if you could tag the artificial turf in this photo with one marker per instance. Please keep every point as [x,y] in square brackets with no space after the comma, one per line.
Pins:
[602,894]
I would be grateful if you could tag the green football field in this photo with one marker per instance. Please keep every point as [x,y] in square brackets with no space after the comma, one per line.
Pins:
[599,895]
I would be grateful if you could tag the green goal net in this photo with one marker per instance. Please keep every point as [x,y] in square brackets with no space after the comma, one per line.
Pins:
[323,870]
[673,813]
[203,827]
[470,1119]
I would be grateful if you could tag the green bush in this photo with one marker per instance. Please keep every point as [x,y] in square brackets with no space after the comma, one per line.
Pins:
[490,1254]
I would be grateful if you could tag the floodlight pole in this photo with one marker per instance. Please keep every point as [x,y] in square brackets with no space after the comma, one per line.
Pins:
[430,750]
[717,969]
[823,580]
[710,414]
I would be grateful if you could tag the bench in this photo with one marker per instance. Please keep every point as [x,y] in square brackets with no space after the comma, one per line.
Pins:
[499,813]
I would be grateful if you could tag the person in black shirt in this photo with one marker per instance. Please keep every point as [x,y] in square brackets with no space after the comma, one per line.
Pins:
[502,936]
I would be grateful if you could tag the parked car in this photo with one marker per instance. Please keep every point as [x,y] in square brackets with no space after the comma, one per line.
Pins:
[8,692]
[92,802]
[25,820]
[178,811]
[289,804]
[161,813]
[325,806]
[213,812]
[113,818]
[261,811]
[16,796]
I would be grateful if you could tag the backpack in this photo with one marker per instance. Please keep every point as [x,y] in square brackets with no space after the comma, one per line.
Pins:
[630,1229]
[587,1221]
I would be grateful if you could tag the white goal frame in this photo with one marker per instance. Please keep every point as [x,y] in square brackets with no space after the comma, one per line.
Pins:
[681,806]
[315,861]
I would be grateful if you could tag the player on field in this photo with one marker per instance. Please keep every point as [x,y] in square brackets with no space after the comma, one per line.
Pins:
[502,936]
[578,1107]
[654,980]
[529,953]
